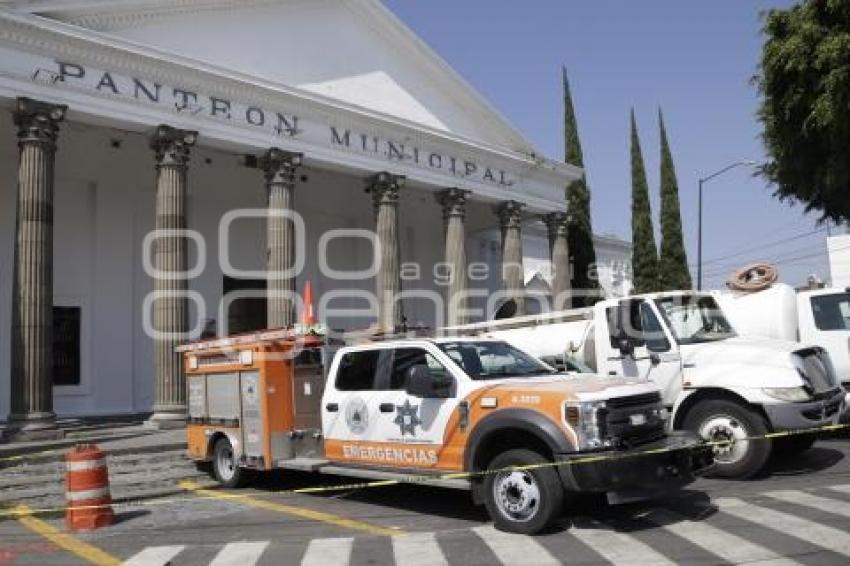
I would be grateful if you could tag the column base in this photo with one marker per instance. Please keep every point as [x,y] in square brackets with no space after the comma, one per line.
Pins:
[167,419]
[32,427]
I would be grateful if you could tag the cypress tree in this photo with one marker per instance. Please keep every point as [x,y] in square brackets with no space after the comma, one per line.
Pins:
[673,262]
[644,253]
[580,231]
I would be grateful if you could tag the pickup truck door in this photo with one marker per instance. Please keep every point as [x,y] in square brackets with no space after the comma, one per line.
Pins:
[383,425]
[824,319]
[655,357]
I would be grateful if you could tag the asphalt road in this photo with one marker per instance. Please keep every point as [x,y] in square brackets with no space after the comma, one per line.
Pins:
[798,513]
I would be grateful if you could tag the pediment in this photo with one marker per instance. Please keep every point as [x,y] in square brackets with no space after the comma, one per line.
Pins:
[352,51]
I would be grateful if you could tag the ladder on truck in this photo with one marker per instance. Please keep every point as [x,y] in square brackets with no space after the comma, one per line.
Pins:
[475,328]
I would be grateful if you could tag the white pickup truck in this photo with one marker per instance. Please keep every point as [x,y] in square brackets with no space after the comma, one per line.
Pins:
[474,414]
[723,386]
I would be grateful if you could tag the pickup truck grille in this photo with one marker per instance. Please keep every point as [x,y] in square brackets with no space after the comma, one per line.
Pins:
[634,420]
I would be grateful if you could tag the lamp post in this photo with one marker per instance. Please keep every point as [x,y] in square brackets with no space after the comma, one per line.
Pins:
[702,181]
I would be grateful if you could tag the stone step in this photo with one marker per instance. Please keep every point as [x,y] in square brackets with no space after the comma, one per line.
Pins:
[36,473]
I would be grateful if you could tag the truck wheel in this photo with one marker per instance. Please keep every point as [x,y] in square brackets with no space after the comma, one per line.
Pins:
[719,421]
[523,501]
[225,469]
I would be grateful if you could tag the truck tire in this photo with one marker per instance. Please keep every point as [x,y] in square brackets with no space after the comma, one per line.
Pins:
[523,501]
[720,420]
[225,468]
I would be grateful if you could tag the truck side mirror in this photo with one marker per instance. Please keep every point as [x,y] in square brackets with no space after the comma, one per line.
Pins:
[625,345]
[421,383]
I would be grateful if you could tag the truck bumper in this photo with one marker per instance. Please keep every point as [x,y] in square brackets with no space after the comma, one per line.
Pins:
[792,416]
[647,471]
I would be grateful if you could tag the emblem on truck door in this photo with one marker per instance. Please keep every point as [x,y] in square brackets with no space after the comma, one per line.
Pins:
[407,418]
[357,415]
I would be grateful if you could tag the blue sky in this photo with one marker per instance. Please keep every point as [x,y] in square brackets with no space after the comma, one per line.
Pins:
[693,59]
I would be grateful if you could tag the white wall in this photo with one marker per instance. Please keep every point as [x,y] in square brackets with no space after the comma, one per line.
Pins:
[104,206]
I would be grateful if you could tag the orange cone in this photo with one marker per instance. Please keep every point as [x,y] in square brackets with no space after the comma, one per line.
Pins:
[88,503]
[308,317]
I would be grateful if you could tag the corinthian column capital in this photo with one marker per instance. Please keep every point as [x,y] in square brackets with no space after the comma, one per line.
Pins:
[453,201]
[510,214]
[38,122]
[556,224]
[384,188]
[279,166]
[172,145]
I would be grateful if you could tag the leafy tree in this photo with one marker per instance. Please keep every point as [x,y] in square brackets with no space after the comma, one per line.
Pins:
[644,253]
[580,231]
[673,270]
[804,83]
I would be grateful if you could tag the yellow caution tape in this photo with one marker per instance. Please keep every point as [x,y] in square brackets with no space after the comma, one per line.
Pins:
[426,478]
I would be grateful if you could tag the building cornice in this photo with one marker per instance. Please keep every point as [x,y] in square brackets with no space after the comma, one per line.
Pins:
[53,39]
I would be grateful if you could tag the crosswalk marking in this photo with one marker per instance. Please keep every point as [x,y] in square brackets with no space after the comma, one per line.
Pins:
[240,554]
[728,546]
[816,533]
[328,552]
[813,501]
[418,549]
[515,549]
[619,548]
[843,488]
[154,556]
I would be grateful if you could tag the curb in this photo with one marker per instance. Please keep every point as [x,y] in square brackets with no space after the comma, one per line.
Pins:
[57,454]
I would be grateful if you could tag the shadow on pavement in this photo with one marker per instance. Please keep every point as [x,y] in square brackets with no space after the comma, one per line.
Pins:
[814,459]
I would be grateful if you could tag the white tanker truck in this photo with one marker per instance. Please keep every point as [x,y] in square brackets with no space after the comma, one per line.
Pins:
[723,386]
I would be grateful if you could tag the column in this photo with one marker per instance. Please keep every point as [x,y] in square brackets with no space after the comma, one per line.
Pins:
[170,308]
[279,169]
[32,287]
[453,202]
[513,275]
[559,253]
[384,188]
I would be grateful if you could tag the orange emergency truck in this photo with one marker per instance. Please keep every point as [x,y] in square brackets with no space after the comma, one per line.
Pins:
[456,407]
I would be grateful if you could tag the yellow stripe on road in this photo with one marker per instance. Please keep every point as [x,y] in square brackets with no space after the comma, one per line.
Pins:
[302,512]
[84,550]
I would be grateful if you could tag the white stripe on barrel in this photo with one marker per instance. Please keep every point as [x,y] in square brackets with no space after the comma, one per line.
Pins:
[87,494]
[85,465]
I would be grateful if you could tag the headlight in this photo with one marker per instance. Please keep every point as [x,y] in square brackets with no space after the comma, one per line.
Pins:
[790,394]
[584,419]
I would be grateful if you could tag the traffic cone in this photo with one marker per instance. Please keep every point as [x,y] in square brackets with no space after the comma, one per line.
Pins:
[308,318]
[88,503]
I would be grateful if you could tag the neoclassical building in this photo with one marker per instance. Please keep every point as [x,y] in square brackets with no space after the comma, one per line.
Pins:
[175,168]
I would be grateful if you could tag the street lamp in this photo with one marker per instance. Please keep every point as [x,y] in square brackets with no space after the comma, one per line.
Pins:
[699,221]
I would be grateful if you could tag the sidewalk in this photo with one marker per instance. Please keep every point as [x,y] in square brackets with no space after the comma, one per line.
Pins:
[111,435]
[142,463]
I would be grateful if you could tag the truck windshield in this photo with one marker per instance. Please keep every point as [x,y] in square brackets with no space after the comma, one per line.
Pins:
[694,319]
[493,360]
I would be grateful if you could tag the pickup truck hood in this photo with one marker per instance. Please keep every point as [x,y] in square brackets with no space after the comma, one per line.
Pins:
[587,387]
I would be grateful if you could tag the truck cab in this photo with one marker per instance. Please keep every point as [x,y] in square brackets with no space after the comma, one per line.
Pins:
[723,386]
[472,414]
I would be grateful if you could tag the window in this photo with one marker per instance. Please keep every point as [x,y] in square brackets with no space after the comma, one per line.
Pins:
[652,331]
[694,319]
[632,327]
[493,360]
[406,358]
[247,312]
[831,312]
[66,345]
[357,370]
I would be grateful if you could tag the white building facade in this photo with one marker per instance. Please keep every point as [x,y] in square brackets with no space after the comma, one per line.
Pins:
[190,147]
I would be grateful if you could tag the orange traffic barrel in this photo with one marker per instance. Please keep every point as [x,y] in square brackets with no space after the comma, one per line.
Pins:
[88,503]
